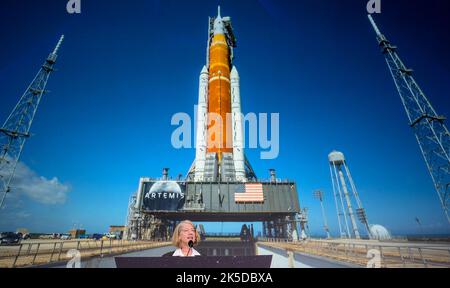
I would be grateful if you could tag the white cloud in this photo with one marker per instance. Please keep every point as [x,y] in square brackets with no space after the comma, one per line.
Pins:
[38,188]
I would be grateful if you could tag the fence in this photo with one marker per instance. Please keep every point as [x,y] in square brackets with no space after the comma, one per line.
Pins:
[41,252]
[370,253]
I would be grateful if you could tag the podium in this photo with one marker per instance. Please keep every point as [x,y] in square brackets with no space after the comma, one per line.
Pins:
[260,261]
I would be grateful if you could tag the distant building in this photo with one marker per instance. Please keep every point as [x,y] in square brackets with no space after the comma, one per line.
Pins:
[77,233]
[379,232]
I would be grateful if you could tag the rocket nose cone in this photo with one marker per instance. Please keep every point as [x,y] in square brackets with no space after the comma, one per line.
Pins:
[204,70]
[234,73]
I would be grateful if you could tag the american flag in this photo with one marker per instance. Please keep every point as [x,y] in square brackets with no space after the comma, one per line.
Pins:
[249,192]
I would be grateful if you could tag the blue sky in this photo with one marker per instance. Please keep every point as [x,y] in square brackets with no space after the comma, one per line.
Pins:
[126,67]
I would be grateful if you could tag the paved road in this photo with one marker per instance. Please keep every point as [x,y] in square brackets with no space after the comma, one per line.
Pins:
[301,260]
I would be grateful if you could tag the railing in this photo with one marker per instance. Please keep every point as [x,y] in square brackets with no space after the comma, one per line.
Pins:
[369,253]
[190,181]
[222,235]
[41,252]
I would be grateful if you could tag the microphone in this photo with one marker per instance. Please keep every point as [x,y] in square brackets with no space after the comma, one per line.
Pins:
[190,244]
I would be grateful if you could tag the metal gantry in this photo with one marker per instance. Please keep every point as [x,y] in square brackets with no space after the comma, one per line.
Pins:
[431,133]
[16,128]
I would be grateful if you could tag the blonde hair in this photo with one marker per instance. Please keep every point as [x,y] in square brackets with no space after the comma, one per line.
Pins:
[176,241]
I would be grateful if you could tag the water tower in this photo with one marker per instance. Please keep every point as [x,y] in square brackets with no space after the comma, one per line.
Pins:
[343,189]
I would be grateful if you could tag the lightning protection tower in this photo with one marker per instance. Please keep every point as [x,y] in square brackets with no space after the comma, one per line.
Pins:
[431,133]
[16,128]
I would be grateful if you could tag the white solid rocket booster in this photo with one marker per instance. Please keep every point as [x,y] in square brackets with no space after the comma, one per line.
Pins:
[238,139]
[200,152]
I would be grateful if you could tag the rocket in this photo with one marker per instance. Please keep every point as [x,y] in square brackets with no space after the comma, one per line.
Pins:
[219,140]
